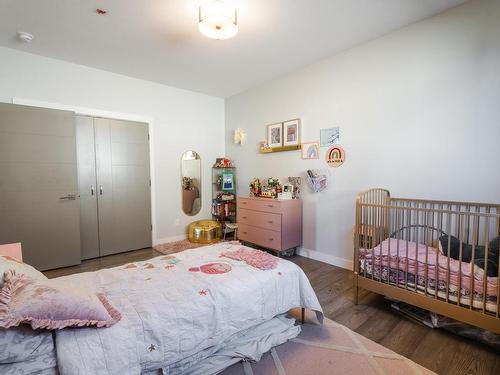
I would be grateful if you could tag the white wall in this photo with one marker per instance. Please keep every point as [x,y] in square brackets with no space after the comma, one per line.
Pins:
[183,120]
[419,111]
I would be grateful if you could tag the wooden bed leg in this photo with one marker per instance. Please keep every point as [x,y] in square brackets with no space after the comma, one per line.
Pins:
[302,315]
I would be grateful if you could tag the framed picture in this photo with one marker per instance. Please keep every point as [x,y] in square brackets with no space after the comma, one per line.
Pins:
[310,150]
[335,156]
[227,181]
[330,136]
[291,132]
[275,135]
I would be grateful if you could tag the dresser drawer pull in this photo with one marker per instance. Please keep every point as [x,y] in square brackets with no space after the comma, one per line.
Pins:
[243,217]
[269,221]
[270,205]
[243,202]
[244,232]
[271,239]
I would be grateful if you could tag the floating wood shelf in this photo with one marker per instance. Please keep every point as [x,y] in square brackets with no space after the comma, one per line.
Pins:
[279,149]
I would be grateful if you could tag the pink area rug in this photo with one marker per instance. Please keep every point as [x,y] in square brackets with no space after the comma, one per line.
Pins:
[328,349]
[177,246]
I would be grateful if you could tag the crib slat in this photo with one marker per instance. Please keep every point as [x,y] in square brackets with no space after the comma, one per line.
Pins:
[372,222]
[426,239]
[448,230]
[365,237]
[474,235]
[408,216]
[397,248]
[460,248]
[436,267]
[417,216]
[486,244]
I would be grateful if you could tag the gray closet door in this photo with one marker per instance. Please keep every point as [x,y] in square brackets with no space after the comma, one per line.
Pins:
[124,200]
[38,185]
[87,186]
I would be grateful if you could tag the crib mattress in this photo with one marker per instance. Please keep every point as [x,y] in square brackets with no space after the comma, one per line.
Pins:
[406,264]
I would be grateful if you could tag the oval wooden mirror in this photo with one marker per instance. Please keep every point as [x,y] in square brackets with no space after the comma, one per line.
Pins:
[191,182]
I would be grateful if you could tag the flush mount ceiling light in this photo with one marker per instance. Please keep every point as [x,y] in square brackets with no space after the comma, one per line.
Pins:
[218,20]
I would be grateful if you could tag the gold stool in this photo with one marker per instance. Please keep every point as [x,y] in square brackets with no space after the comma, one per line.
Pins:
[205,231]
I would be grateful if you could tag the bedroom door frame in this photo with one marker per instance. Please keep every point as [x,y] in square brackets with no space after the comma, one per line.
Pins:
[94,112]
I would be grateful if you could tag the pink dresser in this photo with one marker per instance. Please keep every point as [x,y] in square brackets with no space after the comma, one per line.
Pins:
[270,223]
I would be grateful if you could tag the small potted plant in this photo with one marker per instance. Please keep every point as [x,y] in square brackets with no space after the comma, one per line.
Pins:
[255,188]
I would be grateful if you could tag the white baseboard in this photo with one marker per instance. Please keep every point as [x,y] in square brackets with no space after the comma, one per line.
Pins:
[327,258]
[161,241]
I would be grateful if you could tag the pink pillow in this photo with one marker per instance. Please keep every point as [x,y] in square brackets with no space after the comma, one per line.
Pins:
[51,305]
[12,250]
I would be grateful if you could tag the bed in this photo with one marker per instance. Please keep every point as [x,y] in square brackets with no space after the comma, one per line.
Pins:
[193,312]
[403,249]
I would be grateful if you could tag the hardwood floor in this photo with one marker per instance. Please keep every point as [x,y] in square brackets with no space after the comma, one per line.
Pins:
[437,350]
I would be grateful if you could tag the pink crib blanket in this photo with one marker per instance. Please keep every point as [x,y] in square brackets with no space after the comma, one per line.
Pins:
[417,258]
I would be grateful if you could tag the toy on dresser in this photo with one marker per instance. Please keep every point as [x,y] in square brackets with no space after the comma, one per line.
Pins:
[274,188]
[295,181]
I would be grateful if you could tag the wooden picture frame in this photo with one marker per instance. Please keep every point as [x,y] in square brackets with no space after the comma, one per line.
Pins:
[291,132]
[310,150]
[275,135]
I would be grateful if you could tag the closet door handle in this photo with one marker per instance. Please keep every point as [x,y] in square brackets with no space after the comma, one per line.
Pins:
[91,189]
[70,197]
[100,189]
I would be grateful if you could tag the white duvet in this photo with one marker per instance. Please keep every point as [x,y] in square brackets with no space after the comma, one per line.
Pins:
[174,313]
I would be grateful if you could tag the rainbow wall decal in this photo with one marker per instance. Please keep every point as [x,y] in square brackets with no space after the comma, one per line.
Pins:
[335,156]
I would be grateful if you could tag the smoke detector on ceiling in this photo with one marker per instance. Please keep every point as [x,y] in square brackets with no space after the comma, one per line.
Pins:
[25,37]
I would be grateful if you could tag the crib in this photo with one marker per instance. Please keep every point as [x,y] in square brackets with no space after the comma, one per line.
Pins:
[415,251]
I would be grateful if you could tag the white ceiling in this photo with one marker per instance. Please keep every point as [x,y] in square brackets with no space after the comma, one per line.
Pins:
[158,40]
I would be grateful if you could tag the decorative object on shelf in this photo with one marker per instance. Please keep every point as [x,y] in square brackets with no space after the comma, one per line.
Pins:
[239,137]
[224,191]
[227,182]
[291,132]
[310,150]
[335,156]
[191,182]
[268,192]
[316,181]
[287,188]
[223,163]
[255,187]
[329,136]
[205,231]
[295,181]
[267,149]
[273,182]
[218,20]
[225,197]
[275,135]
[264,147]
[287,191]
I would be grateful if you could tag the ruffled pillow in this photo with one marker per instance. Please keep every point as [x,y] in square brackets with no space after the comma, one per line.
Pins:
[51,305]
[9,263]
